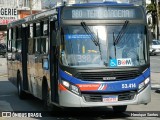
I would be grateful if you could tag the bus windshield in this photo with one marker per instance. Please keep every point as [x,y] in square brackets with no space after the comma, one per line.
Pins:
[79,49]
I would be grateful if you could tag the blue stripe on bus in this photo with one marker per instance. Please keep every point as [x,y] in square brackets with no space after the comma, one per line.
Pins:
[103,3]
[112,86]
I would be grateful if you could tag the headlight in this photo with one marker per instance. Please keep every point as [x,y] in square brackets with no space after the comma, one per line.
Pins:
[65,84]
[71,87]
[74,89]
[143,84]
[147,81]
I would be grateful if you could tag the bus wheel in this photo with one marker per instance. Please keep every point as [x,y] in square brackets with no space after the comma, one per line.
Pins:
[119,109]
[21,93]
[45,96]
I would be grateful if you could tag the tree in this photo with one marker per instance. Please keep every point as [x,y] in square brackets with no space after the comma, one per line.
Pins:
[151,9]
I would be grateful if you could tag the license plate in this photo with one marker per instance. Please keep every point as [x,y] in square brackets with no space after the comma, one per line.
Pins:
[110,98]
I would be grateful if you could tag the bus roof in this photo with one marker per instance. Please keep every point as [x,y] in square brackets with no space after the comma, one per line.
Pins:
[104,4]
[53,11]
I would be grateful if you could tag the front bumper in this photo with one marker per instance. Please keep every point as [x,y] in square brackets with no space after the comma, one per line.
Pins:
[69,99]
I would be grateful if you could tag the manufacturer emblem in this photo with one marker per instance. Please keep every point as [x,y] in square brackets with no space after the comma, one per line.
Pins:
[109,78]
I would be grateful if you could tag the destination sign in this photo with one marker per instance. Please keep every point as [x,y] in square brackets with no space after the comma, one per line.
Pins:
[102,13]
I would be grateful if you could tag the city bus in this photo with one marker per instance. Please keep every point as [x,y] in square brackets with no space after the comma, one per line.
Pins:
[82,55]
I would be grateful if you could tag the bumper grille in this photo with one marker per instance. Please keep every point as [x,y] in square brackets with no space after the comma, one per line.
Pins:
[99,97]
[99,76]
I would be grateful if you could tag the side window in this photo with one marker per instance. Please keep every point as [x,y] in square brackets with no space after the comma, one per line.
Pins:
[13,45]
[19,45]
[14,33]
[45,28]
[16,43]
[9,45]
[19,31]
[31,30]
[40,35]
[9,40]
[30,46]
[38,29]
[13,40]
[44,45]
[45,33]
[31,40]
[38,46]
[9,34]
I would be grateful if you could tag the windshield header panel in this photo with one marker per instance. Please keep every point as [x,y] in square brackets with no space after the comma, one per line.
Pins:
[107,12]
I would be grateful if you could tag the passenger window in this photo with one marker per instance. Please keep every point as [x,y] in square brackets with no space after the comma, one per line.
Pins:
[9,45]
[38,28]
[38,46]
[14,33]
[13,41]
[19,32]
[13,45]
[9,40]
[45,28]
[30,46]
[44,45]
[31,30]
[19,45]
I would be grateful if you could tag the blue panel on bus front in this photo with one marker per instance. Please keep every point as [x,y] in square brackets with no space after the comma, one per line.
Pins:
[78,37]
[106,86]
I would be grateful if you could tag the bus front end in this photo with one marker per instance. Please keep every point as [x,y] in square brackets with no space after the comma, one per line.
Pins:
[104,56]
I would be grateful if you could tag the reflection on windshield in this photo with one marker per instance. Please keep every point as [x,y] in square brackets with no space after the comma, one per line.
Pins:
[80,51]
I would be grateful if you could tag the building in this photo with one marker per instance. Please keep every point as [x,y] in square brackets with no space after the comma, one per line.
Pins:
[27,7]
[11,10]
[8,12]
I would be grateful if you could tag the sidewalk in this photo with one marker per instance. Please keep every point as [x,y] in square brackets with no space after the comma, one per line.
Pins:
[155,80]
[3,61]
[3,67]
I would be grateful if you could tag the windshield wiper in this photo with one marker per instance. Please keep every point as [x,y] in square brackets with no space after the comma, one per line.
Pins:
[121,33]
[114,44]
[94,38]
[119,36]
[92,34]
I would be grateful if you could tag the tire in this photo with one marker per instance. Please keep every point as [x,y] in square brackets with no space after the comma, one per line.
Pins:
[45,96]
[21,93]
[46,102]
[120,109]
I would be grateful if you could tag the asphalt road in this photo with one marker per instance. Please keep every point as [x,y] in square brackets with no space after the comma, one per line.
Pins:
[9,101]
[155,63]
